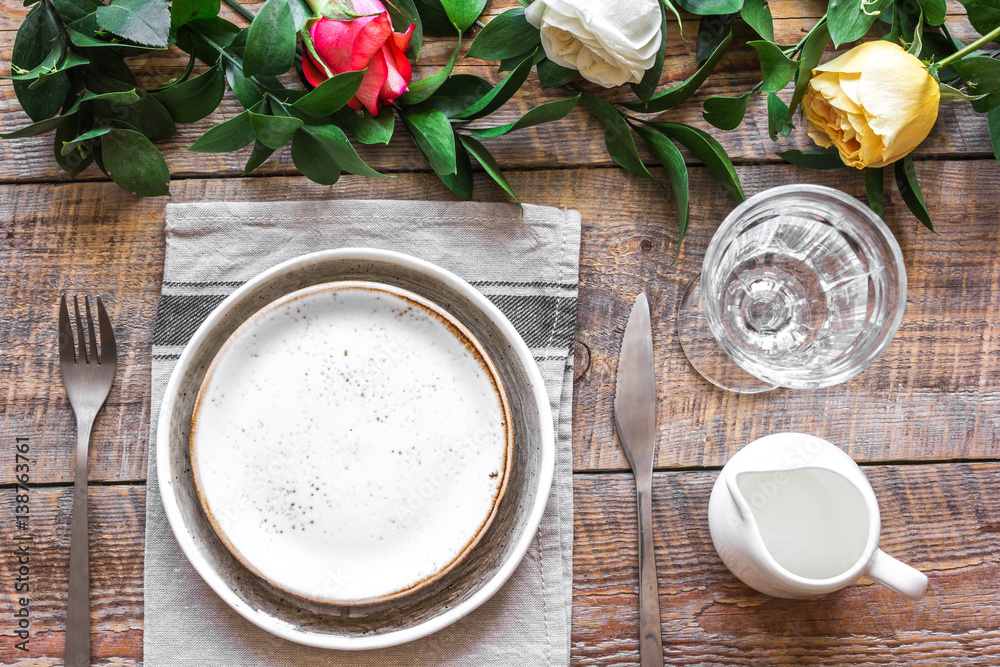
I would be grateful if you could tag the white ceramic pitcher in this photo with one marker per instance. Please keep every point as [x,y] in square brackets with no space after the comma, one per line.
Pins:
[793,516]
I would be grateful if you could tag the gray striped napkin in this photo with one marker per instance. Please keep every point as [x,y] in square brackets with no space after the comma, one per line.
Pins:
[528,267]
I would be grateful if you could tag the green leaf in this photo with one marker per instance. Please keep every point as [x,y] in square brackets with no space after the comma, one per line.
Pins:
[301,13]
[365,128]
[271,41]
[421,90]
[432,133]
[463,13]
[72,10]
[909,189]
[983,76]
[489,164]
[507,35]
[123,97]
[191,38]
[331,95]
[711,31]
[935,11]
[874,184]
[183,12]
[258,156]
[674,96]
[231,135]
[458,92]
[140,21]
[435,21]
[35,129]
[70,146]
[673,163]
[500,93]
[114,101]
[617,135]
[984,15]
[651,78]
[993,121]
[950,94]
[917,45]
[543,113]
[777,117]
[247,92]
[758,16]
[850,20]
[776,68]
[274,131]
[461,181]
[135,163]
[340,149]
[403,14]
[196,98]
[551,75]
[79,159]
[711,7]
[726,113]
[709,151]
[819,159]
[812,51]
[31,46]
[312,157]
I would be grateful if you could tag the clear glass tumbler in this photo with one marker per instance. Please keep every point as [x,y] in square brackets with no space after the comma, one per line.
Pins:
[802,286]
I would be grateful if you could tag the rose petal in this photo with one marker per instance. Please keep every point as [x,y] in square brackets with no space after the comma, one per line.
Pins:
[371,85]
[394,84]
[370,40]
[397,60]
[900,99]
[334,41]
[402,39]
[855,60]
[314,73]
[828,85]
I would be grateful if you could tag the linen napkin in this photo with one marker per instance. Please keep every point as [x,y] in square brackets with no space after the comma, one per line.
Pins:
[528,266]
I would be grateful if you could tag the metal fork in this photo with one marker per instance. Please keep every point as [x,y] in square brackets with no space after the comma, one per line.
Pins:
[88,374]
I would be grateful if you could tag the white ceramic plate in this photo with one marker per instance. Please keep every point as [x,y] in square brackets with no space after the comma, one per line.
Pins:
[350,442]
[459,591]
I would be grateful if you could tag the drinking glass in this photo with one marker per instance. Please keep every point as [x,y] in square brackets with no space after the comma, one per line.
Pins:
[802,287]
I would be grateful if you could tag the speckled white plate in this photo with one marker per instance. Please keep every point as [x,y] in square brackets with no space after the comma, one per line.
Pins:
[351,442]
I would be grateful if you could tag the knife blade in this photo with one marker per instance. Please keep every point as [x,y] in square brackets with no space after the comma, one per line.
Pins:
[635,421]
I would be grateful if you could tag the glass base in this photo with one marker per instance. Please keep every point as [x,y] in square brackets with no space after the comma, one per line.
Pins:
[704,353]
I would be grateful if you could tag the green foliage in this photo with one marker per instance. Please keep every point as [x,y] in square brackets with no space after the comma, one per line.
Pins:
[144,22]
[827,158]
[776,68]
[726,113]
[713,7]
[270,45]
[678,94]
[463,13]
[650,80]
[850,20]
[134,163]
[909,189]
[506,36]
[758,16]
[982,74]
[874,184]
[485,159]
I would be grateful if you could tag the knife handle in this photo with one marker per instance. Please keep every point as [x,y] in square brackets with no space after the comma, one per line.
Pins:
[650,637]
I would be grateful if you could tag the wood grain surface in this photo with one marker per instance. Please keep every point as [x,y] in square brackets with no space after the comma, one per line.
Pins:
[709,617]
[924,420]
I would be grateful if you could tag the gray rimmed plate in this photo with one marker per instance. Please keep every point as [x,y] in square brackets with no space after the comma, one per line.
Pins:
[461,589]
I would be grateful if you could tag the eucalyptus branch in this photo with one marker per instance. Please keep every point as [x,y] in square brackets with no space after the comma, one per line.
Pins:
[958,55]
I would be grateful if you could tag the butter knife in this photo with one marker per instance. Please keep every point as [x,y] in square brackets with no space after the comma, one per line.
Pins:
[635,421]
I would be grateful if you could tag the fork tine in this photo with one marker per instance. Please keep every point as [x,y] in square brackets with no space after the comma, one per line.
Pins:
[82,342]
[90,326]
[66,353]
[109,351]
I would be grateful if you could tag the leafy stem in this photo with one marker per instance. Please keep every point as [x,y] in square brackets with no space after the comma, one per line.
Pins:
[958,55]
[236,62]
[241,10]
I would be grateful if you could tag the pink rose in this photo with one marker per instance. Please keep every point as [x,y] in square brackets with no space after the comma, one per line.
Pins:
[363,43]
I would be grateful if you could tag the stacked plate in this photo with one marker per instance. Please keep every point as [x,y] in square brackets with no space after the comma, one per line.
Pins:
[355,449]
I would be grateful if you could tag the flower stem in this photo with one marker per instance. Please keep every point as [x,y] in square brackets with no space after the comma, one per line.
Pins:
[241,10]
[958,55]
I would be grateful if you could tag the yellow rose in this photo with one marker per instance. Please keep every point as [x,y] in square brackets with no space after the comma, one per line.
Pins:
[875,103]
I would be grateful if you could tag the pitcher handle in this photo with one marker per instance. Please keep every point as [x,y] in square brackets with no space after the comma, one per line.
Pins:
[897,575]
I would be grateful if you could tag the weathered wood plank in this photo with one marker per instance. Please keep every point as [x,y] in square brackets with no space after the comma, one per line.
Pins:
[576,140]
[708,615]
[934,395]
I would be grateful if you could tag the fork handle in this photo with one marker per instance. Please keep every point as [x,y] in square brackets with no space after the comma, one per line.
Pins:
[78,602]
[650,637]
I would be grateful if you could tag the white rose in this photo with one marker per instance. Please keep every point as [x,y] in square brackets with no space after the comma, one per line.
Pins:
[610,42]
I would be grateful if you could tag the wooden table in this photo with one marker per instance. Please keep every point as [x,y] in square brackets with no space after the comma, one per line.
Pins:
[924,421]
